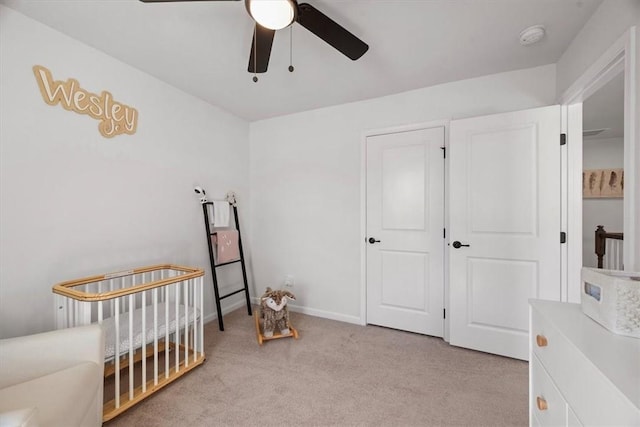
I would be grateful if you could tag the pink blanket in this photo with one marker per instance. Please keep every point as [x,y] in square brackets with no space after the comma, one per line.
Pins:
[226,243]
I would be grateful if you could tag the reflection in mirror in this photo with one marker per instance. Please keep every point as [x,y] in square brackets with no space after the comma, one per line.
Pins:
[603,176]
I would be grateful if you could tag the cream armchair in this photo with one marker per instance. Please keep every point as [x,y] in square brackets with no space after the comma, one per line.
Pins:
[53,378]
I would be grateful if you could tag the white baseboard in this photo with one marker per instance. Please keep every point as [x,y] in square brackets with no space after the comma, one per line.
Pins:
[319,313]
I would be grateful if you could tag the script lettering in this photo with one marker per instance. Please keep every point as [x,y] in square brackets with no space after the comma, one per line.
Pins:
[115,118]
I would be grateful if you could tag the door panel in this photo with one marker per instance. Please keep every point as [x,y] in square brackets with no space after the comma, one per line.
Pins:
[405,211]
[505,204]
[517,280]
[404,280]
[403,187]
[503,197]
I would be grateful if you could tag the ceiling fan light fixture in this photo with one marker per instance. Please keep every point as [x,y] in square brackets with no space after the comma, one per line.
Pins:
[272,14]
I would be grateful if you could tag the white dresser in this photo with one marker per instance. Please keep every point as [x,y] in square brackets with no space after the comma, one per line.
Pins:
[579,372]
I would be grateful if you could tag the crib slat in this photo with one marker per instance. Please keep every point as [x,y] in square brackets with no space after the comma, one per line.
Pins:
[166,332]
[177,321]
[100,305]
[111,288]
[193,289]
[131,364]
[201,280]
[200,305]
[116,354]
[67,312]
[143,303]
[155,336]
[185,286]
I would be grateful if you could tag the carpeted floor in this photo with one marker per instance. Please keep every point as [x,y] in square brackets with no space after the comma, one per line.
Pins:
[337,374]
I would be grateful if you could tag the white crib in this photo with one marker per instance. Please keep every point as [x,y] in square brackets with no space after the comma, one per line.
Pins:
[153,322]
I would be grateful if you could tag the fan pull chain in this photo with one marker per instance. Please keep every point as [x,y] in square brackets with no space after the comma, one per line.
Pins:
[255,54]
[291,49]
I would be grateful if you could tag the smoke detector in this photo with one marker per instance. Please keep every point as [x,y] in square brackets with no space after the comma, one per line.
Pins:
[531,35]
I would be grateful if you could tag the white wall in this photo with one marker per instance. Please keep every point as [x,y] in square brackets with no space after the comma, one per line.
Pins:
[305,179]
[73,203]
[600,154]
[608,23]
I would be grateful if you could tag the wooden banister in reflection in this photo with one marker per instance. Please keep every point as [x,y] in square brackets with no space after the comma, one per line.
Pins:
[601,242]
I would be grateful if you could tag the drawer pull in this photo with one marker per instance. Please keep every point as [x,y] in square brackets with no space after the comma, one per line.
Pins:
[541,340]
[542,404]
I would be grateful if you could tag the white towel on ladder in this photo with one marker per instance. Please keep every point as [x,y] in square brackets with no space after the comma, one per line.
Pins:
[219,214]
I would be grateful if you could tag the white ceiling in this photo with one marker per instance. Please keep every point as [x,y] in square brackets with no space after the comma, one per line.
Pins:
[203,47]
[605,110]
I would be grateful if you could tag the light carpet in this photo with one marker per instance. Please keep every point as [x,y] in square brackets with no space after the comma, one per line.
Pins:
[337,374]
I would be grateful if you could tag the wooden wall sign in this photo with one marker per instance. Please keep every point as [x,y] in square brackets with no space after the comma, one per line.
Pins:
[115,118]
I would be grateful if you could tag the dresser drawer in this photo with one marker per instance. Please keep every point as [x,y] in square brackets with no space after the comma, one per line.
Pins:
[547,342]
[547,404]
[573,350]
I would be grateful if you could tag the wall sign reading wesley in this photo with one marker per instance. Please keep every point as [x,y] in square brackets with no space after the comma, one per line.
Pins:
[115,118]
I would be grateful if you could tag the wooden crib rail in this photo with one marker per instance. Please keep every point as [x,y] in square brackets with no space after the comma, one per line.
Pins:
[66,288]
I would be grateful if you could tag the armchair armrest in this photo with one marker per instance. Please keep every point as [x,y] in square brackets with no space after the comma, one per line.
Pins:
[32,356]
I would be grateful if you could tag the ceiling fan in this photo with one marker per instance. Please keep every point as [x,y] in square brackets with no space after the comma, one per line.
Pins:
[272,15]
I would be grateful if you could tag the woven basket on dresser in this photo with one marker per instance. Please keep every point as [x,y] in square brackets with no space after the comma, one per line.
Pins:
[612,298]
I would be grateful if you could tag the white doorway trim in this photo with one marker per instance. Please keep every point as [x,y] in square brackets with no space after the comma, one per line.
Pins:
[363,209]
[621,56]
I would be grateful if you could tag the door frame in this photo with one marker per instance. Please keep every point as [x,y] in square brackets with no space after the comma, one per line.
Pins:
[620,56]
[363,209]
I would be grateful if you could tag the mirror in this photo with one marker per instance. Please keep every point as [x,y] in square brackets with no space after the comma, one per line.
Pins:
[603,176]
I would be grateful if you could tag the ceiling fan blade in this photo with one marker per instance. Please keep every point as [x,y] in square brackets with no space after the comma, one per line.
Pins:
[330,31]
[167,1]
[260,49]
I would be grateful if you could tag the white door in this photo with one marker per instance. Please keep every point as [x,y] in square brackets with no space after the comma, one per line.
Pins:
[504,204]
[405,220]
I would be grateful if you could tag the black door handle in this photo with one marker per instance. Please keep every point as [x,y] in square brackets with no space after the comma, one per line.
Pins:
[458,245]
[372,240]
